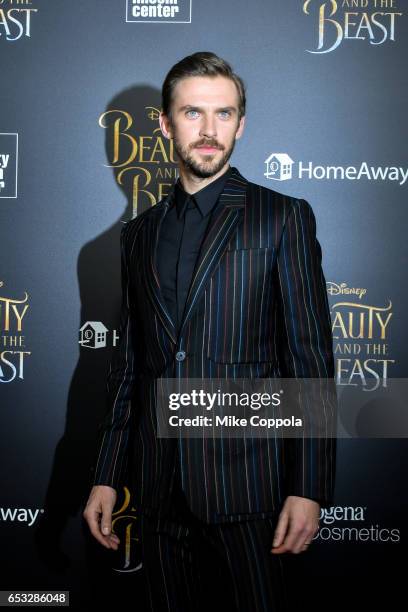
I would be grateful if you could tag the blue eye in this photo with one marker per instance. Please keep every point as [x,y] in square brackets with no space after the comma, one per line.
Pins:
[191,111]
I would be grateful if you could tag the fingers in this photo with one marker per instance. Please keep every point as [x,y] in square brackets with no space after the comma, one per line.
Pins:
[298,524]
[280,530]
[302,541]
[93,519]
[297,540]
[106,521]
[293,535]
[98,515]
[105,529]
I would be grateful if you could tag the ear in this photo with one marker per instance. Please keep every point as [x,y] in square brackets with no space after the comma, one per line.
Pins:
[165,126]
[240,128]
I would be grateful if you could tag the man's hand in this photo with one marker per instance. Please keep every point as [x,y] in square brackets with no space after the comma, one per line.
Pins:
[297,525]
[98,515]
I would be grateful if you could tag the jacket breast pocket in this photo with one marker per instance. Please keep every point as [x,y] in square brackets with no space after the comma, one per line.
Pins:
[240,307]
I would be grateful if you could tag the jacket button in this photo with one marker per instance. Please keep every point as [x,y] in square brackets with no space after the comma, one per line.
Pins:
[180,355]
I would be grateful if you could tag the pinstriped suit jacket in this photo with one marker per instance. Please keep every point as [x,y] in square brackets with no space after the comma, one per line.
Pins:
[257,307]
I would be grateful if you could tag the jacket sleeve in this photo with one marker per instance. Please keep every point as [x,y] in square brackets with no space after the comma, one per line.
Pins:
[114,429]
[305,349]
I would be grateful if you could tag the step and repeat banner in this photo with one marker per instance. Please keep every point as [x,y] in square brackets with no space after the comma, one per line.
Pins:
[81,152]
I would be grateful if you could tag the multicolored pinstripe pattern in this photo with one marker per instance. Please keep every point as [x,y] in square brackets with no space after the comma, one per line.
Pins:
[215,566]
[257,307]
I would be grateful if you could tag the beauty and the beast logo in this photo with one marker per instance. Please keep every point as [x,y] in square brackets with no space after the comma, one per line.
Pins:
[360,337]
[125,525]
[373,21]
[12,342]
[15,19]
[143,162]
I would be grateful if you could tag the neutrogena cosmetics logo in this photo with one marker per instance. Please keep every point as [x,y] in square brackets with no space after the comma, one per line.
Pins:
[351,524]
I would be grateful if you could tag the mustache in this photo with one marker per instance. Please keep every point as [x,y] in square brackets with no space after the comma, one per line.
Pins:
[207,143]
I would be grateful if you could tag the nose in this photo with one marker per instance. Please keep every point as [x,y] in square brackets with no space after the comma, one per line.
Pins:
[208,127]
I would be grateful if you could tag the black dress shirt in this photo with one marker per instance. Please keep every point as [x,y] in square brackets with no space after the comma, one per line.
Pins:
[180,238]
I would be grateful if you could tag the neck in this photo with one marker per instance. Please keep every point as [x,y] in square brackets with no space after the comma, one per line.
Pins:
[192,183]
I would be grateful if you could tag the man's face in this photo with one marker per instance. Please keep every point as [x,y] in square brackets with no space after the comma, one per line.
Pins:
[204,123]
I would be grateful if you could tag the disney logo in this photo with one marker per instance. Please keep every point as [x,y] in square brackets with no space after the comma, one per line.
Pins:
[342,289]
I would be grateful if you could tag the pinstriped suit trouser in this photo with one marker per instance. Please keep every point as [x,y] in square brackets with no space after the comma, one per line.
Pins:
[192,566]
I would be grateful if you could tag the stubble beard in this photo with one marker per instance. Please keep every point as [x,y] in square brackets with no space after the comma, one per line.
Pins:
[207,167]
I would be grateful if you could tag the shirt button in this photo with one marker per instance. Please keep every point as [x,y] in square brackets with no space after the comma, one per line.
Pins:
[180,355]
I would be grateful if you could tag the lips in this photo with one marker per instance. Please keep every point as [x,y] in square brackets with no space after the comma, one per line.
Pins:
[206,149]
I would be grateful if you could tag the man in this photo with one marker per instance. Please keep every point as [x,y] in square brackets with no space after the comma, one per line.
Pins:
[221,279]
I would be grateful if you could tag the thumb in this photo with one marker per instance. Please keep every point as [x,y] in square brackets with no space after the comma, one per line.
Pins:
[106,521]
[280,530]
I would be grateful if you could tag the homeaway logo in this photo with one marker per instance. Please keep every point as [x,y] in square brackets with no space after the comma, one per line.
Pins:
[20,515]
[161,11]
[281,167]
[8,165]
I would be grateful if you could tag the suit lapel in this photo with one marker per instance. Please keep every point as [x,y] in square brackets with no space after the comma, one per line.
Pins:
[223,222]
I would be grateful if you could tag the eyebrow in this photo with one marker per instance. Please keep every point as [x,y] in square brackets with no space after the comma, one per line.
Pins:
[222,108]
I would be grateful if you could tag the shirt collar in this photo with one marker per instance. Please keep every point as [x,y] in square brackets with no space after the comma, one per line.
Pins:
[205,198]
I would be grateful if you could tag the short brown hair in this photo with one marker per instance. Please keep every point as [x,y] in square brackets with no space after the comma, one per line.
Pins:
[202,63]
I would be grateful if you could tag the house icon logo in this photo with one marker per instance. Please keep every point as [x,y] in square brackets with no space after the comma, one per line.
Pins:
[93,334]
[279,167]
